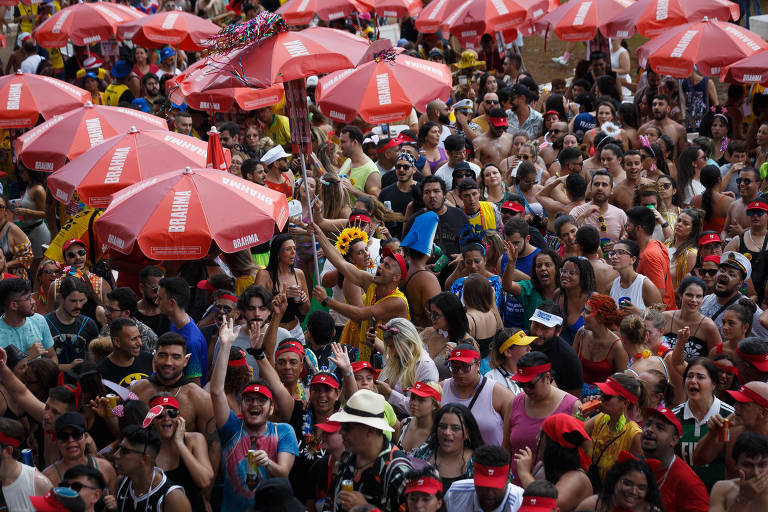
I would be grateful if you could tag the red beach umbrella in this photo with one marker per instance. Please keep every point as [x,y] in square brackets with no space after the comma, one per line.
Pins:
[578,20]
[176,216]
[652,18]
[25,97]
[709,45]
[84,23]
[176,28]
[750,70]
[301,12]
[123,160]
[48,146]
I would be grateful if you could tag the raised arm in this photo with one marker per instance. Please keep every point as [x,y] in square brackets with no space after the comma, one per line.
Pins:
[360,277]
[227,336]
[21,394]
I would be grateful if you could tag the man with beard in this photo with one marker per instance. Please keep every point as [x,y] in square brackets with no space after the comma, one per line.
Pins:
[278,176]
[661,120]
[624,191]
[496,144]
[127,362]
[152,93]
[195,406]
[608,219]
[451,219]
[224,304]
[546,326]
[437,112]
[360,175]
[751,415]
[70,330]
[229,133]
[387,150]
[148,308]
[733,271]
[747,492]
[382,299]
[400,194]
[121,303]
[254,171]
[553,141]
[272,447]
[490,100]
[20,325]
[489,490]
[183,122]
[752,244]
[681,489]
[520,114]
[750,183]
[654,258]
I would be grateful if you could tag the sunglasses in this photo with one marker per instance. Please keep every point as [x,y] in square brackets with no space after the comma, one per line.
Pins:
[461,367]
[744,181]
[77,486]
[492,102]
[711,272]
[525,157]
[67,435]
[758,213]
[402,166]
[465,175]
[72,254]
[603,227]
[170,412]
[666,186]
[226,309]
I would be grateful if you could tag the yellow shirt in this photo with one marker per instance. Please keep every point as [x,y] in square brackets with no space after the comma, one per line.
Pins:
[606,445]
[27,10]
[487,217]
[279,131]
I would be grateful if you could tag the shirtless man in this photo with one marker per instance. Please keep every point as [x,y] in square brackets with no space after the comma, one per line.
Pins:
[574,188]
[661,120]
[495,144]
[624,191]
[746,493]
[195,403]
[737,221]
[588,240]
[420,284]
[557,132]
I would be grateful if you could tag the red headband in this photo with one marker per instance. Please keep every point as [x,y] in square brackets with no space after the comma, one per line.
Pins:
[427,485]
[405,138]
[237,362]
[10,441]
[652,463]
[227,296]
[550,112]
[392,143]
[613,388]
[290,346]
[727,369]
[360,218]
[760,361]
[528,373]
[165,401]
[76,390]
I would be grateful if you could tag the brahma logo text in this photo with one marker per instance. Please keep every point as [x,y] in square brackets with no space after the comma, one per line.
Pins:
[179,210]
[116,165]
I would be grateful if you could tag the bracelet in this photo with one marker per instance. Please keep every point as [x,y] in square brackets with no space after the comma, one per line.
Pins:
[257,353]
[349,372]
[665,225]
[325,301]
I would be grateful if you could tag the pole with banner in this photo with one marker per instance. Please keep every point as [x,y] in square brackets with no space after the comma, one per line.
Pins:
[298,114]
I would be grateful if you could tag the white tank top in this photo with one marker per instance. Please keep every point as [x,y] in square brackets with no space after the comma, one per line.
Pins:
[634,292]
[17,494]
[488,420]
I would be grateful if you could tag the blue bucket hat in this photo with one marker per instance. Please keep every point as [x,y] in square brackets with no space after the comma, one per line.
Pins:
[121,69]
[422,233]
[167,52]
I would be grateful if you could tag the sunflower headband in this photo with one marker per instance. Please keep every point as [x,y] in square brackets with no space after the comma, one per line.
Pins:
[346,236]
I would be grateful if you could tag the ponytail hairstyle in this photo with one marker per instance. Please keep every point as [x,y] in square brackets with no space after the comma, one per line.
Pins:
[745,309]
[636,387]
[709,177]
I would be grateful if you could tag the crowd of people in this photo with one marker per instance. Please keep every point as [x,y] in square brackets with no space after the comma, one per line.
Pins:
[532,297]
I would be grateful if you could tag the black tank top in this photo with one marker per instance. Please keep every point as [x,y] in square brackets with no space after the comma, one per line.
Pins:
[181,477]
[151,503]
[292,311]
[758,265]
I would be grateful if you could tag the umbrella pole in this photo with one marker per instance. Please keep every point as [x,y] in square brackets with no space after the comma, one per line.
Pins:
[309,207]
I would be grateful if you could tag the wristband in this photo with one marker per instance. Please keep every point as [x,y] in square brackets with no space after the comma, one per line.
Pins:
[257,353]
[325,301]
[349,372]
[665,225]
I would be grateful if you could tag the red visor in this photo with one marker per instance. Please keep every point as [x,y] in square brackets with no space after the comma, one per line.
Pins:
[424,391]
[391,144]
[165,401]
[237,362]
[759,361]
[745,394]
[667,415]
[10,441]
[290,346]
[527,374]
[255,388]
[487,476]
[464,355]
[613,388]
[727,369]
[513,206]
[710,238]
[322,378]
[426,485]
[329,427]
[538,504]
[498,122]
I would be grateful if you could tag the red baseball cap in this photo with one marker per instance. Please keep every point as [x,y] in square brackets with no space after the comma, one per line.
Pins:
[745,394]
[758,205]
[58,499]
[256,388]
[614,388]
[709,238]
[498,122]
[528,373]
[711,258]
[538,504]
[425,484]
[361,365]
[71,242]
[205,285]
[491,476]
[329,427]
[423,390]
[668,415]
[514,206]
[400,261]
[464,353]
[326,379]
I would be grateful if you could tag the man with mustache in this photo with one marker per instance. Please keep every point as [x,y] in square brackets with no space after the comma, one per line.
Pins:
[734,269]
[681,489]
[71,330]
[496,144]
[437,112]
[660,108]
[148,308]
[608,219]
[749,183]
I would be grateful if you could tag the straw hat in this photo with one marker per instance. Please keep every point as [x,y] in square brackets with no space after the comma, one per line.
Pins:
[469,60]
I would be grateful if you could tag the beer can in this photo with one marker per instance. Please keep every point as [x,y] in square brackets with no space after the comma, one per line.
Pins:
[27,457]
[112,402]
[252,464]
[725,432]
[348,485]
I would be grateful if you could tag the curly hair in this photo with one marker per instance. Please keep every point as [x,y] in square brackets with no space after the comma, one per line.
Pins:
[618,470]
[606,310]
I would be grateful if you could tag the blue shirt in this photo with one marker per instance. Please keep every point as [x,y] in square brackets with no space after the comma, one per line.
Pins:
[35,329]
[235,443]
[197,348]
[514,315]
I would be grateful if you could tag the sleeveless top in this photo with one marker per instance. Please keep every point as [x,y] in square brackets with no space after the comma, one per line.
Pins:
[113,93]
[714,223]
[284,187]
[570,331]
[354,332]
[292,310]
[181,476]
[597,371]
[128,502]
[756,258]
[606,445]
[89,461]
[489,421]
[634,292]
[524,430]
[435,165]
[694,347]
[17,494]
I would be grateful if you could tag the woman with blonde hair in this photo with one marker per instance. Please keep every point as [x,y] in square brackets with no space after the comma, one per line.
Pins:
[507,348]
[47,272]
[405,361]
[243,268]
[482,314]
[331,211]
[422,405]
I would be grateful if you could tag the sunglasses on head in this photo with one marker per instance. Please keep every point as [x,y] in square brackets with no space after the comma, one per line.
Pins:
[66,435]
[711,272]
[72,254]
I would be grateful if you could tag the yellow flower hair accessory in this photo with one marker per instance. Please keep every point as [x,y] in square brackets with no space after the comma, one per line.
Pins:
[346,236]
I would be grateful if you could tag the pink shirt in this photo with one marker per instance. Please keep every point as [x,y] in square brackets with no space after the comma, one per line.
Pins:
[615,218]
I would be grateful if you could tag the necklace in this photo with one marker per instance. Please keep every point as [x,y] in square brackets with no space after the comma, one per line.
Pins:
[143,496]
[664,479]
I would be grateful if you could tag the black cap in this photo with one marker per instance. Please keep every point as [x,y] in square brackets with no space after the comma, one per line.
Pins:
[70,419]
[276,495]
[467,184]
[454,143]
[519,90]
[461,166]
[14,356]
